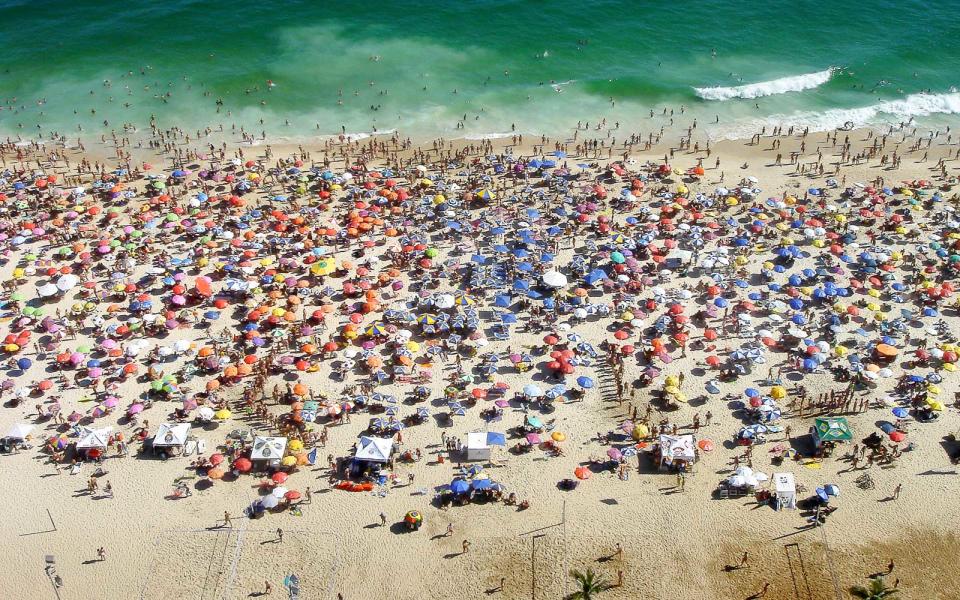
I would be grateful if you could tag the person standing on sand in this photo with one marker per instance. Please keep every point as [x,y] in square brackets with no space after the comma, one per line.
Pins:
[383,520]
[226,519]
[466,546]
[449,530]
[279,535]
[896,491]
[101,554]
[267,588]
[744,560]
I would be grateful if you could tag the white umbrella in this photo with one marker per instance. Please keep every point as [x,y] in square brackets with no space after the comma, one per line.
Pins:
[47,290]
[67,282]
[269,501]
[279,491]
[554,279]
[444,301]
[205,413]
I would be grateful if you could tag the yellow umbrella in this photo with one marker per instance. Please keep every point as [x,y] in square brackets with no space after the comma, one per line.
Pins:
[778,392]
[295,445]
[558,436]
[413,346]
[289,461]
[222,414]
[672,390]
[324,266]
[640,431]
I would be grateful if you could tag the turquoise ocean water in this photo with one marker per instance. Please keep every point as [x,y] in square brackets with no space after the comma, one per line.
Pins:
[420,67]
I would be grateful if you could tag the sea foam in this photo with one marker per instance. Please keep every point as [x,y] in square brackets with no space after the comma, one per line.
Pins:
[887,112]
[795,83]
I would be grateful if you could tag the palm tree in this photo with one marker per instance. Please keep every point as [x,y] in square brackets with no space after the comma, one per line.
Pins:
[877,590]
[590,583]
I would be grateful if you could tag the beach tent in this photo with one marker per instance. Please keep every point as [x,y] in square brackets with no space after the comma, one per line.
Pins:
[374,449]
[171,435]
[477,446]
[785,488]
[676,451]
[19,431]
[93,439]
[268,448]
[830,429]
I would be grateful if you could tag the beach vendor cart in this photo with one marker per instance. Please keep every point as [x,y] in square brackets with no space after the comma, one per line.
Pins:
[677,452]
[267,451]
[785,491]
[827,432]
[170,439]
[477,446]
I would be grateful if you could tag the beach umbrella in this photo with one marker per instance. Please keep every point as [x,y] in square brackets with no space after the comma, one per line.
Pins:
[582,473]
[585,382]
[459,486]
[243,465]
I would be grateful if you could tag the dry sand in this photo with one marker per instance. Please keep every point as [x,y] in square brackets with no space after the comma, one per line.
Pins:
[676,544]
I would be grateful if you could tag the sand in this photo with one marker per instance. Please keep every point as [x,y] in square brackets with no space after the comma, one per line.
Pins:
[675,544]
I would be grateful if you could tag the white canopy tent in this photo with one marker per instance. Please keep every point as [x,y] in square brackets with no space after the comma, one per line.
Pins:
[785,487]
[676,450]
[170,434]
[268,448]
[93,438]
[19,431]
[477,446]
[374,449]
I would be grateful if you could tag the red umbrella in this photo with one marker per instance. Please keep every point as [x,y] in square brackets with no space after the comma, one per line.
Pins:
[898,436]
[620,334]
[550,340]
[216,459]
[479,393]
[278,477]
[292,495]
[582,473]
[243,465]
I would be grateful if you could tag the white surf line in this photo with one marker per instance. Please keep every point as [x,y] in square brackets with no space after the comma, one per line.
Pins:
[783,85]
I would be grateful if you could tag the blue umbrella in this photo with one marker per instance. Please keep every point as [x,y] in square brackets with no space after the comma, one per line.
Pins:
[720,302]
[459,486]
[481,484]
[900,412]
[752,393]
[585,382]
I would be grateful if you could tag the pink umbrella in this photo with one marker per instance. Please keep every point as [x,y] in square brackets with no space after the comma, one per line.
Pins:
[189,404]
[95,373]
[111,402]
[614,454]
[74,417]
[627,427]
[135,409]
[98,412]
[533,438]
[172,324]
[502,403]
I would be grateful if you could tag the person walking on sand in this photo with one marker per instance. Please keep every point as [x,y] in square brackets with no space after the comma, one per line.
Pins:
[896,491]
[449,529]
[383,520]
[466,546]
[744,560]
[267,588]
[279,535]
[101,554]
[226,519]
